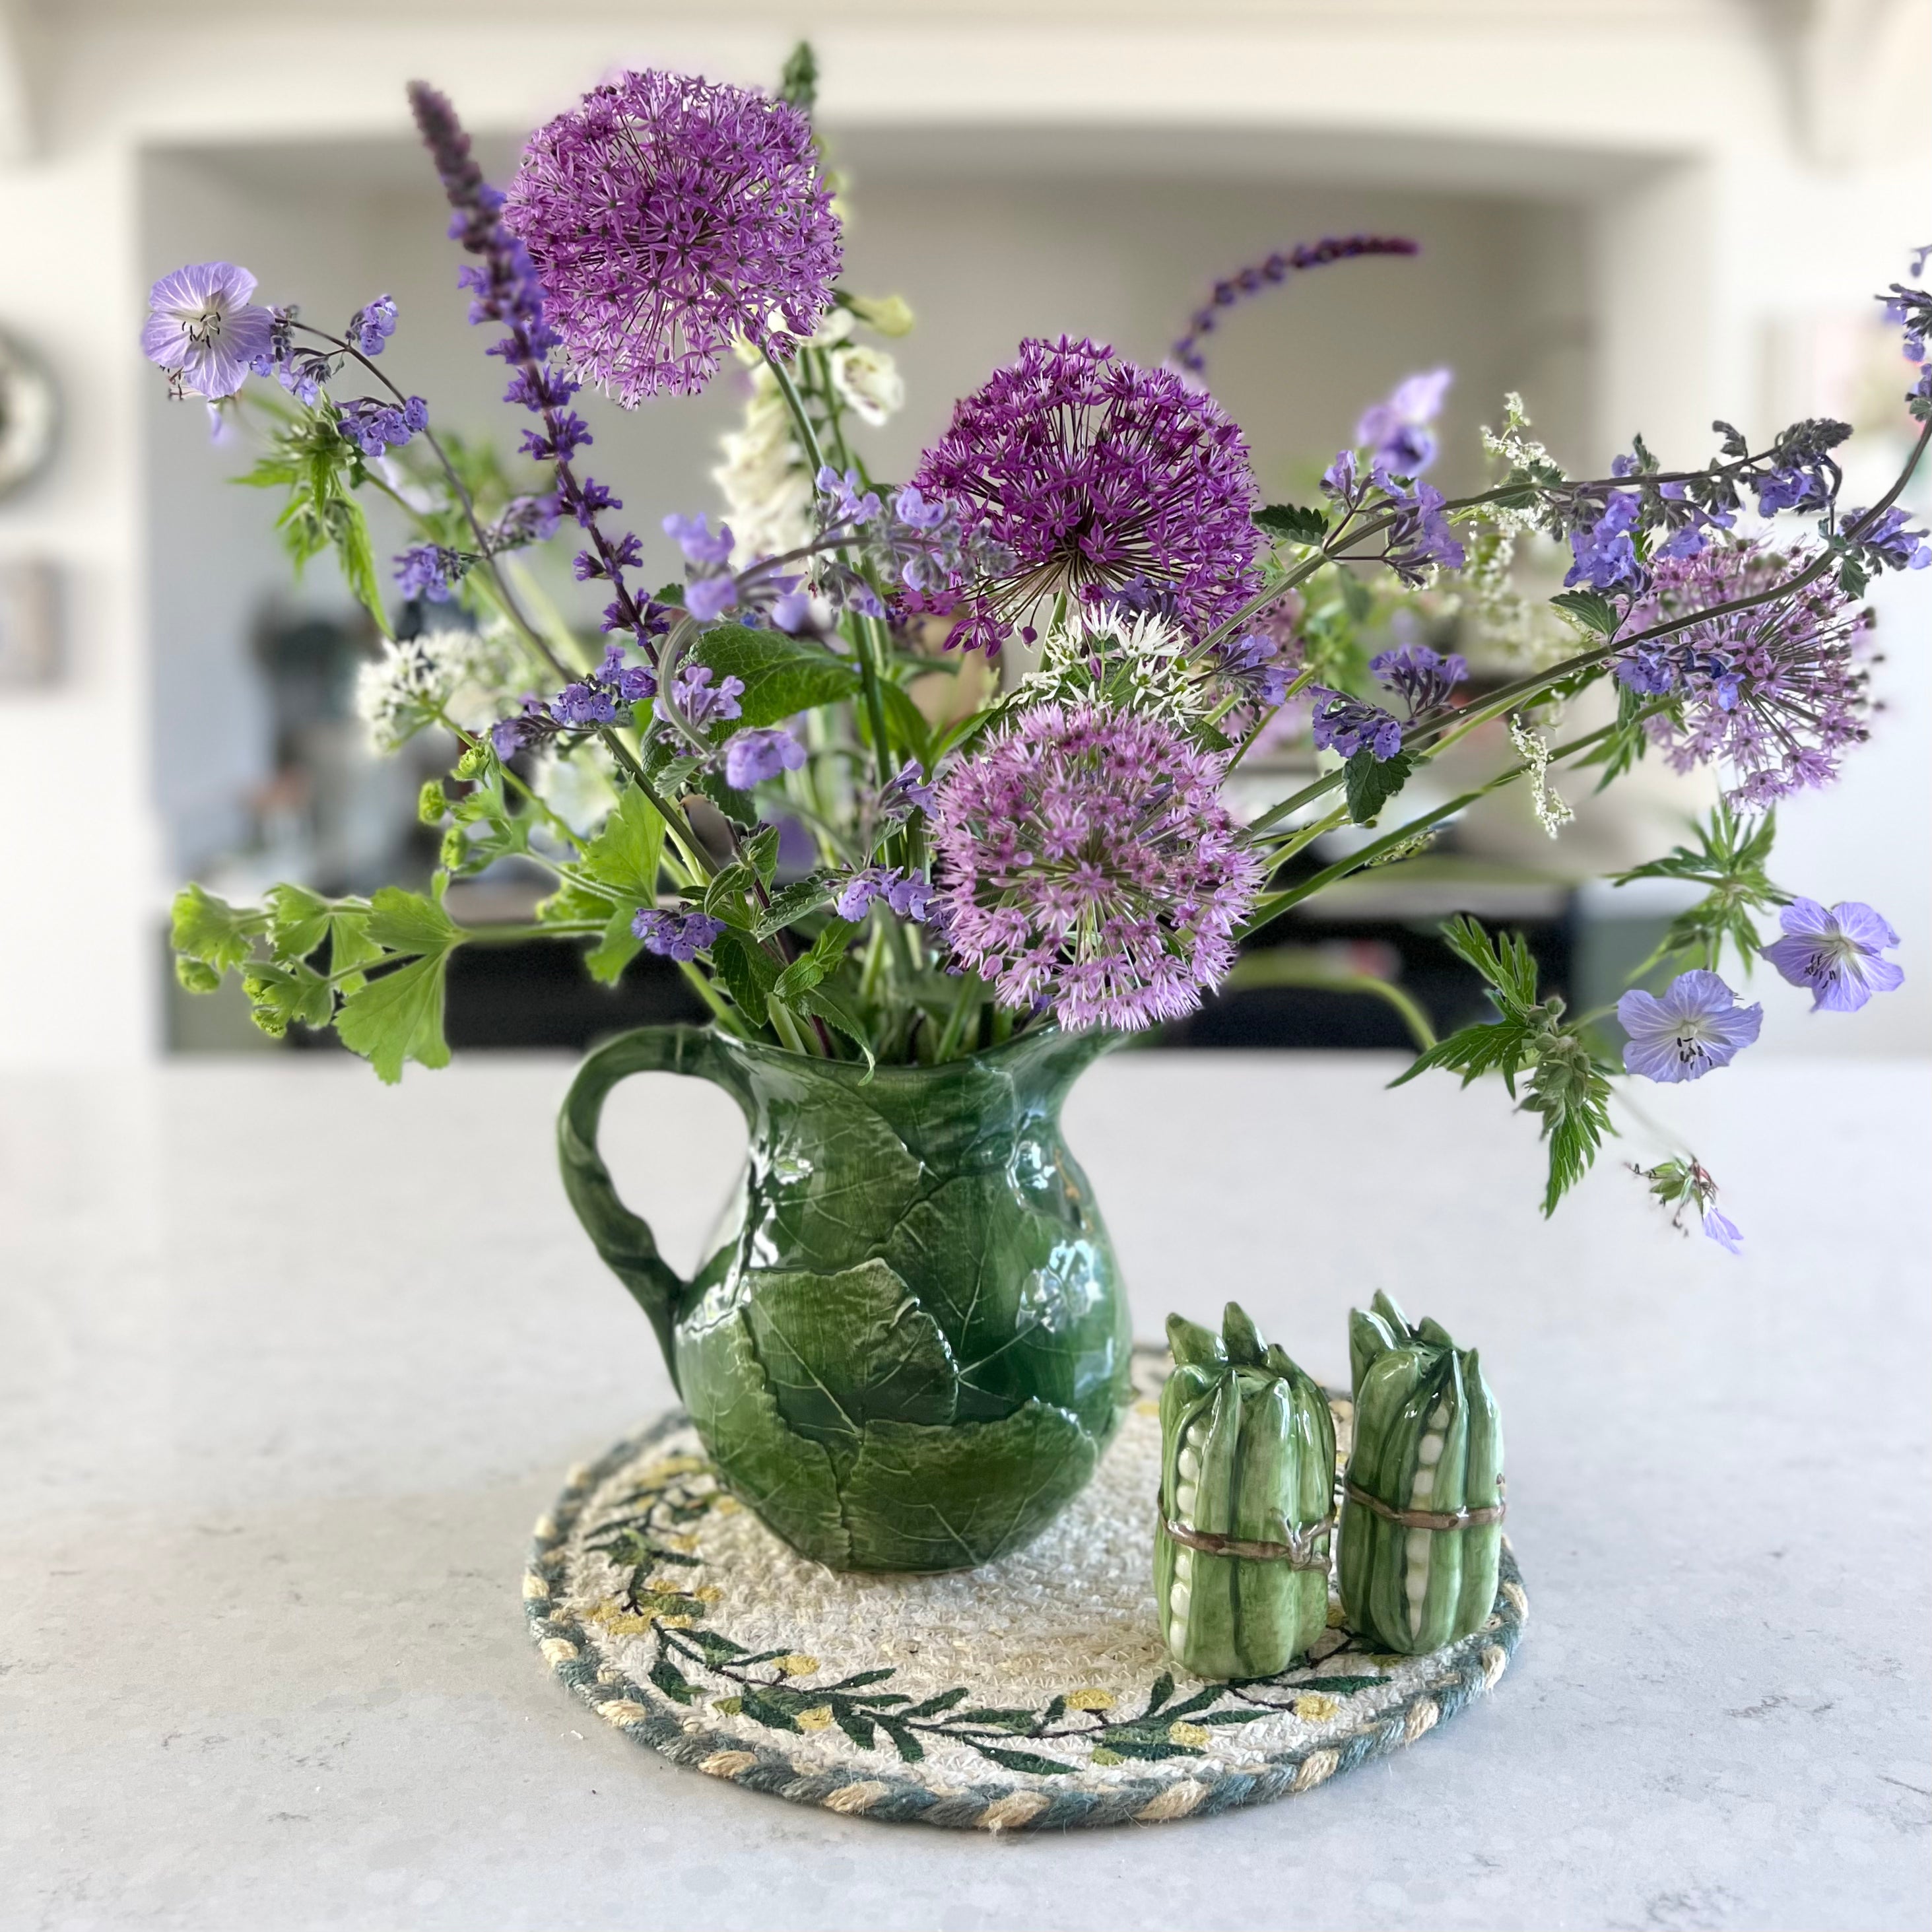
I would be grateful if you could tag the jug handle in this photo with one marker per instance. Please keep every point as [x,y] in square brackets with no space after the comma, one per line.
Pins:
[624,1239]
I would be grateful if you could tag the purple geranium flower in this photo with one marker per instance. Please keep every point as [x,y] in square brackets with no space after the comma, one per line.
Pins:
[1088,470]
[1697,1025]
[1723,1230]
[668,216]
[753,756]
[204,331]
[672,935]
[1835,954]
[1396,433]
[1085,858]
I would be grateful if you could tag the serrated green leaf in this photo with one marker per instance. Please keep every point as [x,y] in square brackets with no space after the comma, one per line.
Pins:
[1357,598]
[904,720]
[826,1005]
[279,995]
[398,1016]
[724,898]
[810,968]
[760,852]
[1592,609]
[210,929]
[1369,783]
[747,972]
[616,950]
[793,902]
[1292,523]
[782,676]
[627,851]
[405,922]
[297,921]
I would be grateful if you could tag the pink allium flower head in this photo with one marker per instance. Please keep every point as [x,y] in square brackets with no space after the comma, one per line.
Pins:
[1084,858]
[1090,472]
[668,216]
[1777,692]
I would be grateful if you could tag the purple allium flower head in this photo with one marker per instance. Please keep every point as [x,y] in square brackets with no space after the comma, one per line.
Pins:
[1605,552]
[372,324]
[1346,725]
[1271,273]
[673,935]
[1777,692]
[1084,858]
[752,757]
[1424,678]
[1396,432]
[1697,1025]
[204,331]
[668,216]
[906,893]
[1090,470]
[1836,954]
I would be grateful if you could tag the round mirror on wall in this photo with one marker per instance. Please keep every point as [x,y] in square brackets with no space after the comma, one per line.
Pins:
[29,416]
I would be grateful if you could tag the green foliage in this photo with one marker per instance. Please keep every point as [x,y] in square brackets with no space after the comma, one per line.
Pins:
[1568,1085]
[1728,860]
[627,853]
[782,676]
[397,1014]
[798,79]
[1370,782]
[1292,523]
[310,459]
[212,931]
[1590,609]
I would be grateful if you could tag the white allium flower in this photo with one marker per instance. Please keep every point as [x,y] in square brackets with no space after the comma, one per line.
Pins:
[1141,662]
[470,677]
[869,379]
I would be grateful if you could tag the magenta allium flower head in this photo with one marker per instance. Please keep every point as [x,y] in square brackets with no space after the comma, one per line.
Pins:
[1777,692]
[667,217]
[1084,858]
[1836,955]
[1091,471]
[1696,1026]
[203,330]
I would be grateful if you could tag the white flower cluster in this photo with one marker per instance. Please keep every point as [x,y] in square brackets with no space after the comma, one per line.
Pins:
[1142,664]
[469,677]
[1553,812]
[765,479]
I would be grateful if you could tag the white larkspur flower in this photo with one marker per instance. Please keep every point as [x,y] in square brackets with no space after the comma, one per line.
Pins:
[764,479]
[869,380]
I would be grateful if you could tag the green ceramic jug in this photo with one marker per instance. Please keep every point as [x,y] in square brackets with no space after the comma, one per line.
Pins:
[912,1346]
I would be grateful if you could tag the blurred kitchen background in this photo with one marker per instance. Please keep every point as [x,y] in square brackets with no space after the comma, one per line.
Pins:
[1641,214]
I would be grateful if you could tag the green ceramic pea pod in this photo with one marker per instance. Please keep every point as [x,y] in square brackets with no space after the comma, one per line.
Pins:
[1415,1572]
[1248,1456]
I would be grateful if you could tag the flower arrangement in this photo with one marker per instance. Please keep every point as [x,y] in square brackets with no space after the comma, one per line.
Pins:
[744,772]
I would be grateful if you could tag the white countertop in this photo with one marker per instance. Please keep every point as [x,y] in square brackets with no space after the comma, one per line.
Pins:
[289,1364]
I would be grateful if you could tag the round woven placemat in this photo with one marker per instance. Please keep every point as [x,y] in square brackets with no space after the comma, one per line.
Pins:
[1032,1693]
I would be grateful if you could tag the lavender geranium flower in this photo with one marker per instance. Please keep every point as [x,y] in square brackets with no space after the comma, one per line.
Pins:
[668,216]
[907,893]
[1085,858]
[1396,432]
[1089,470]
[672,935]
[1346,725]
[204,331]
[1836,955]
[1777,692]
[752,757]
[1696,1026]
[1686,1185]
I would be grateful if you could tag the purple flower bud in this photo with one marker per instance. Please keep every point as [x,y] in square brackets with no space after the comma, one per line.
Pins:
[678,936]
[709,598]
[694,536]
[371,326]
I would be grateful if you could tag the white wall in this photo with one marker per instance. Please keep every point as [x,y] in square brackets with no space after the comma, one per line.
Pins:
[1716,163]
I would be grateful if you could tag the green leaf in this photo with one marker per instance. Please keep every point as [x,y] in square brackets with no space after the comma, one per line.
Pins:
[724,898]
[297,921]
[398,1016]
[1509,968]
[905,721]
[197,975]
[793,902]
[760,852]
[403,921]
[279,994]
[827,1006]
[1015,1760]
[748,972]
[782,676]
[671,1681]
[1357,598]
[809,968]
[616,950]
[1569,1091]
[1590,609]
[766,1708]
[628,852]
[349,531]
[1370,782]
[211,930]
[1292,523]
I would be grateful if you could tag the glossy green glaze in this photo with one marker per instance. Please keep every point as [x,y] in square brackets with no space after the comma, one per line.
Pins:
[912,1346]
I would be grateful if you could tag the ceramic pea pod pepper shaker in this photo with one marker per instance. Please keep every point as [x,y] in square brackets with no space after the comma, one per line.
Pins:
[1246,1504]
[1422,1505]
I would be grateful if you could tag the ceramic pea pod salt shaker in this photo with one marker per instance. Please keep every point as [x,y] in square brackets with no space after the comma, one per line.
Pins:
[1246,1505]
[1422,1505]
